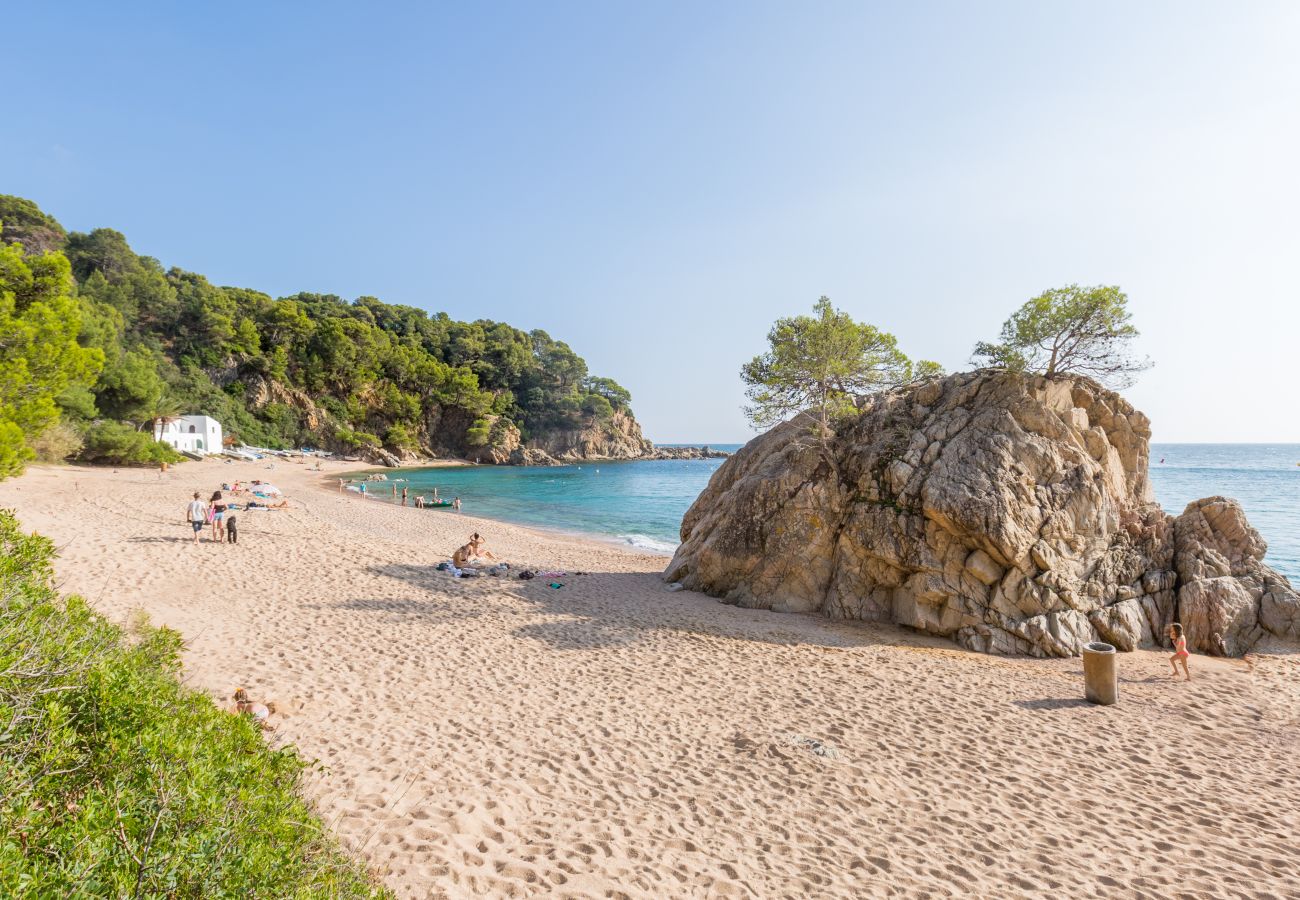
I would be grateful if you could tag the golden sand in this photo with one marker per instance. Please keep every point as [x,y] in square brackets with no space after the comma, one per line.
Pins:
[610,738]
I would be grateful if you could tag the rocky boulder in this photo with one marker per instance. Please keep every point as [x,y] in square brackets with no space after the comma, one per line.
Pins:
[618,437]
[1011,513]
[1224,587]
[704,452]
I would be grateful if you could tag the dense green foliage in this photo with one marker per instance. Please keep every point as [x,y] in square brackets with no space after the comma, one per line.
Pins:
[310,369]
[115,781]
[819,365]
[1080,330]
[40,356]
[24,221]
[118,444]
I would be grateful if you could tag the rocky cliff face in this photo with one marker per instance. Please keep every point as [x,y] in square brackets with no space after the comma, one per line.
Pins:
[1010,513]
[616,438]
[444,432]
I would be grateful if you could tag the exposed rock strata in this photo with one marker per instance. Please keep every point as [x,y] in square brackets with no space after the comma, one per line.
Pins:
[1010,513]
[704,452]
[619,437]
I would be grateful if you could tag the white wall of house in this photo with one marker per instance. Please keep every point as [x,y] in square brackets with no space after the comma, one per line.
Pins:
[192,434]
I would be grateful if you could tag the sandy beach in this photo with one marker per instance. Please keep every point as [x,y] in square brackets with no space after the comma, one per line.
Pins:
[493,737]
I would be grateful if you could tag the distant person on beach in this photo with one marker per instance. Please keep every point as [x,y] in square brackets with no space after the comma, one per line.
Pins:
[403,496]
[340,485]
[363,489]
[197,515]
[419,501]
[217,505]
[1180,650]
[455,504]
[259,712]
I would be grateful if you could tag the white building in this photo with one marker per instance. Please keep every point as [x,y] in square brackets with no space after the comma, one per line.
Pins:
[189,434]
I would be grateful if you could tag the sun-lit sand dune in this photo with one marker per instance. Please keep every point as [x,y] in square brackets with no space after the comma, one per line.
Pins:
[610,738]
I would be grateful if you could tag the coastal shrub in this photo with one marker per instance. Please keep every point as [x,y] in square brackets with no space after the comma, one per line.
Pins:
[597,406]
[121,445]
[58,442]
[1070,330]
[477,434]
[116,781]
[399,438]
[355,440]
[818,366]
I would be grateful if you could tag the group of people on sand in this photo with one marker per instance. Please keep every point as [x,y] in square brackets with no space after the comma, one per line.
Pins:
[219,512]
[422,500]
[215,512]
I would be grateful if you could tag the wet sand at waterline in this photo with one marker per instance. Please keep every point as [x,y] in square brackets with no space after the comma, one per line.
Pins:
[609,738]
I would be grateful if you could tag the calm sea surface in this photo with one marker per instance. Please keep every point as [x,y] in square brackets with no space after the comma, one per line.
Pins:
[642,503]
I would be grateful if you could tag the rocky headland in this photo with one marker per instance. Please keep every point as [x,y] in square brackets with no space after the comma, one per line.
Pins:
[1010,513]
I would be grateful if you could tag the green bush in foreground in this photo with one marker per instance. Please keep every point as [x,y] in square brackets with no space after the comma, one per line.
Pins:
[115,781]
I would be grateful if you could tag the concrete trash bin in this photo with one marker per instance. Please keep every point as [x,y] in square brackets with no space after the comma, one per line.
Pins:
[1100,678]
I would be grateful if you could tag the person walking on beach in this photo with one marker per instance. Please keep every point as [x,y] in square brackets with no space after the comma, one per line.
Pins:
[197,515]
[217,507]
[419,501]
[403,496]
[1180,650]
[455,504]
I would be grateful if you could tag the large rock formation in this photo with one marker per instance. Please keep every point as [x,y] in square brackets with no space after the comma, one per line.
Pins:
[1224,586]
[705,452]
[1011,513]
[618,437]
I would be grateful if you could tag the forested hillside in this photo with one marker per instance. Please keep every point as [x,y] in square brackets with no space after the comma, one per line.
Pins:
[139,341]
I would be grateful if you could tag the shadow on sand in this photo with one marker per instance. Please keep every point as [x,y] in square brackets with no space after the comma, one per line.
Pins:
[588,612]
[1052,703]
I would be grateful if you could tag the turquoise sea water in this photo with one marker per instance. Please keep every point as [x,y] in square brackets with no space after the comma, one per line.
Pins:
[641,503]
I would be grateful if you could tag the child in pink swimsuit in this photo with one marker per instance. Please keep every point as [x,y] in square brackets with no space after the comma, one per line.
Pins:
[1180,650]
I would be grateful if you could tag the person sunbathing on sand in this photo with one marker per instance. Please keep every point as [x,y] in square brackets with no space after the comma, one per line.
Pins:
[475,551]
[259,711]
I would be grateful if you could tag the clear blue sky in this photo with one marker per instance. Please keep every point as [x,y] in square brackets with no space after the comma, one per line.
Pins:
[655,183]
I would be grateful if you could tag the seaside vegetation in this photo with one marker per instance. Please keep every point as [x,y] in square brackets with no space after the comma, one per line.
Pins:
[117,781]
[817,366]
[123,340]
[1069,330]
